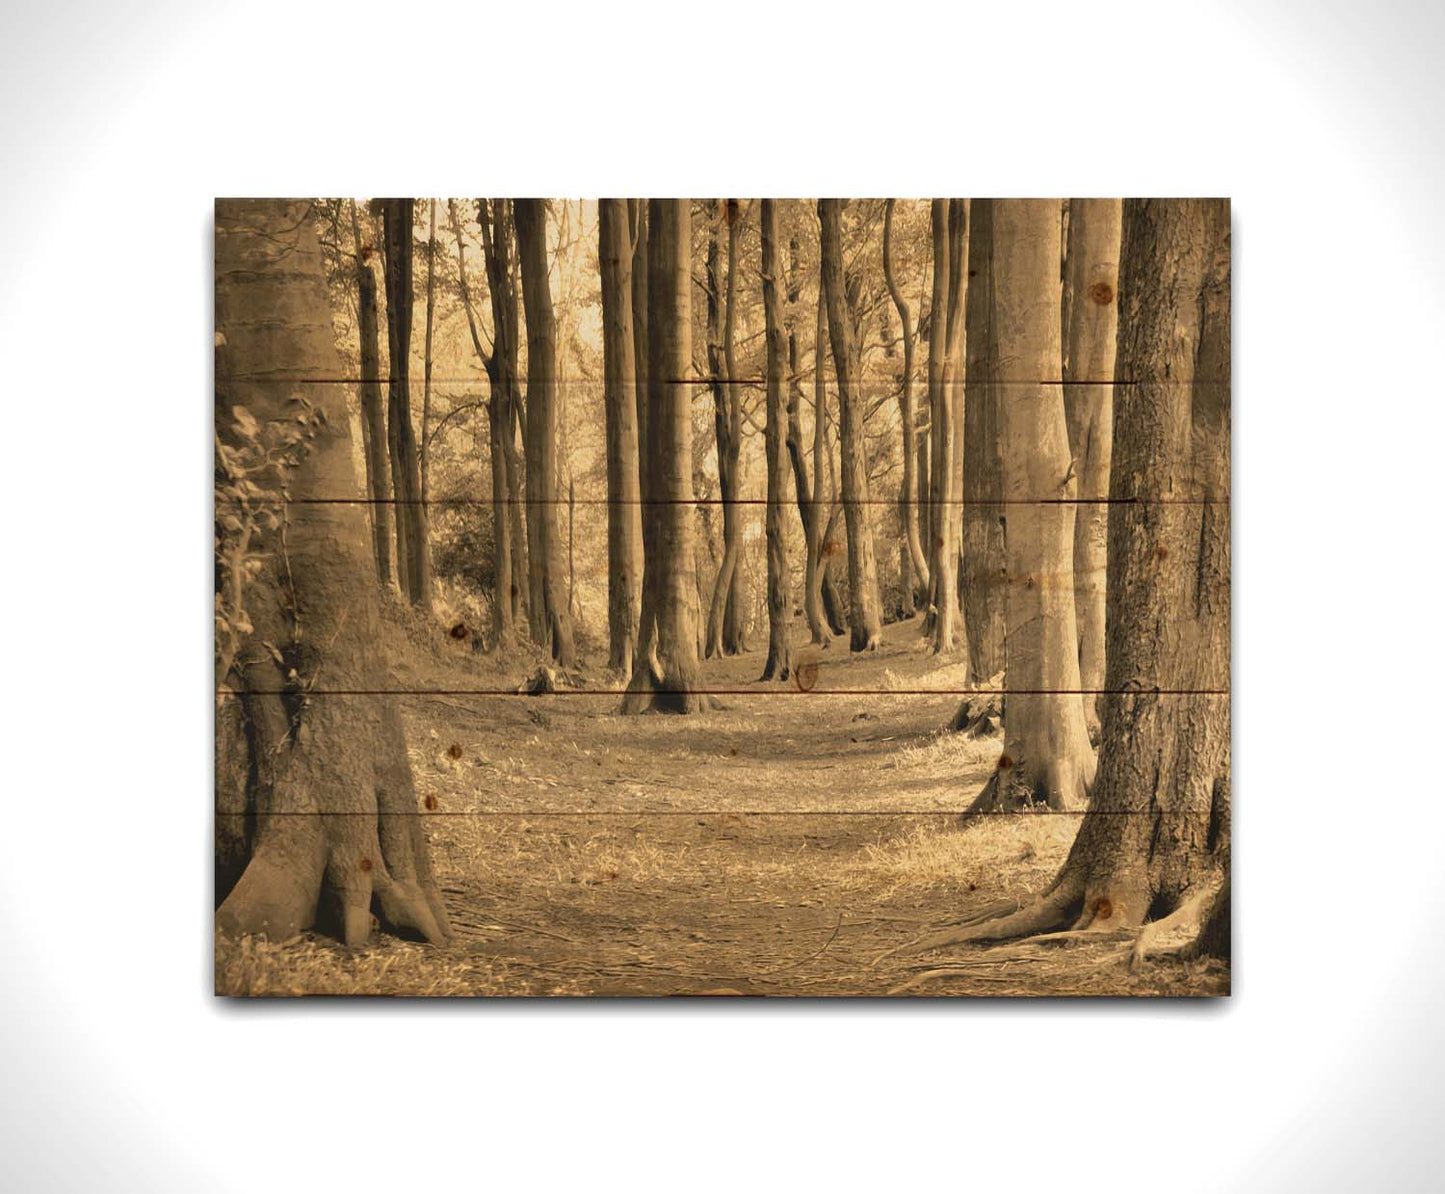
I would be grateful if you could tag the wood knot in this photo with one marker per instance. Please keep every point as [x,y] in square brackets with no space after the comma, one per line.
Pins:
[365,865]
[459,631]
[1103,909]
[454,751]
[431,803]
[805,675]
[1005,762]
[1161,552]
[1102,293]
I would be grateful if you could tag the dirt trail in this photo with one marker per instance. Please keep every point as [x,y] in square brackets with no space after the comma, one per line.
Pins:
[776,846]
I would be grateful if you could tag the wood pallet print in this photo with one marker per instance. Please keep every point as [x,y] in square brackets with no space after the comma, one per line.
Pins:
[722,597]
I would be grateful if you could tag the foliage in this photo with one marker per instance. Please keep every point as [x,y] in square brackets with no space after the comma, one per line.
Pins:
[464,546]
[253,474]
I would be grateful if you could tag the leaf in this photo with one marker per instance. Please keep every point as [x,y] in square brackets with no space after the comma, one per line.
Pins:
[246,422]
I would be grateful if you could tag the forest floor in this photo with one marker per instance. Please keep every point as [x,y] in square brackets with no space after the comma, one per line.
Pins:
[776,846]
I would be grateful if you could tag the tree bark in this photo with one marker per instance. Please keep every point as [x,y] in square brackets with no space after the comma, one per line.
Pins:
[946,333]
[665,667]
[1091,284]
[865,617]
[637,221]
[506,348]
[821,603]
[551,618]
[780,603]
[908,421]
[1047,754]
[412,548]
[624,494]
[724,621]
[327,814]
[1156,839]
[498,422]
[431,290]
[373,414]
[984,565]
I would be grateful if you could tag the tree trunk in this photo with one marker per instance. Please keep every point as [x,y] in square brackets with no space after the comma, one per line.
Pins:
[665,667]
[865,618]
[624,494]
[1047,755]
[908,422]
[950,263]
[498,421]
[807,497]
[637,221]
[496,244]
[412,548]
[984,566]
[373,414]
[724,629]
[551,618]
[1091,284]
[1156,839]
[780,601]
[431,290]
[327,814]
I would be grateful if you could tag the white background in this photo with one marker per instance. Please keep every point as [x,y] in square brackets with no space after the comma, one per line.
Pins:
[119,123]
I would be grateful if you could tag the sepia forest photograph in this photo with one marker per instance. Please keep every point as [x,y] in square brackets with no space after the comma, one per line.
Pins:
[722,597]
[923,603]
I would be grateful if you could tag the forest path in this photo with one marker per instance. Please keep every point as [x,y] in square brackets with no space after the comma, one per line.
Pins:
[776,846]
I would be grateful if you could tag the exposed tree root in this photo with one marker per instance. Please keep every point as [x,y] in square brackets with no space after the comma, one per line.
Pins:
[1048,912]
[1098,920]
[650,692]
[1035,949]
[1186,916]
[779,665]
[979,715]
[1008,790]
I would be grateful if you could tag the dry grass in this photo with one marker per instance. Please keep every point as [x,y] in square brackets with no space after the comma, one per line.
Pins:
[999,854]
[314,965]
[582,851]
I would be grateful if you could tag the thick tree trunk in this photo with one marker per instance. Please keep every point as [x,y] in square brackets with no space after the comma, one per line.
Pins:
[908,421]
[326,814]
[780,602]
[1091,284]
[1166,758]
[624,494]
[984,566]
[551,617]
[373,414]
[1047,754]
[865,617]
[665,668]
[946,333]
[1156,839]
[413,549]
